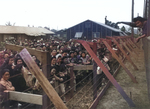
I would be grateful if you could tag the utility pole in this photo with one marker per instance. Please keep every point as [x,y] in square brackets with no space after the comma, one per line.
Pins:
[146,44]
[132,17]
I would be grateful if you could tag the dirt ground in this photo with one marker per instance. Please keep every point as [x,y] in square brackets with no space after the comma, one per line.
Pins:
[137,92]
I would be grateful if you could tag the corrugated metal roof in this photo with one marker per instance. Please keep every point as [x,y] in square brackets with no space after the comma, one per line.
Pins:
[31,31]
[111,28]
[104,25]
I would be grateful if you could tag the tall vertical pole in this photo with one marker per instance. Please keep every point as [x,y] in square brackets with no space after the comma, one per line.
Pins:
[95,73]
[145,9]
[146,46]
[132,17]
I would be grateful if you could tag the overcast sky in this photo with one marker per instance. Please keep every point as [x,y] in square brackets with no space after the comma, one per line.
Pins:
[60,14]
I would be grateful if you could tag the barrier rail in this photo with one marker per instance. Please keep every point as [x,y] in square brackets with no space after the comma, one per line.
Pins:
[123,44]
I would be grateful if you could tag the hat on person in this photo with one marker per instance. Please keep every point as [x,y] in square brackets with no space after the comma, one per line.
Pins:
[58,55]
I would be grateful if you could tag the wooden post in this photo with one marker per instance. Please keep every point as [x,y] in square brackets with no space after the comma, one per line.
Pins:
[95,85]
[146,46]
[47,87]
[132,17]
[45,61]
[71,81]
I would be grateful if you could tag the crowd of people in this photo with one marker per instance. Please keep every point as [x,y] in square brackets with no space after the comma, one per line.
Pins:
[15,74]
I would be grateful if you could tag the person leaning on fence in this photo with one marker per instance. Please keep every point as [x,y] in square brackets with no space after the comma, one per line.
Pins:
[5,86]
[141,23]
[54,72]
[18,81]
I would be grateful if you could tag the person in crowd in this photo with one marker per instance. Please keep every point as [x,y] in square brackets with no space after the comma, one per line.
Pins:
[5,86]
[77,57]
[64,53]
[141,23]
[19,81]
[6,55]
[37,61]
[72,59]
[53,53]
[4,81]
[8,64]
[84,59]
[58,60]
[54,70]
[44,48]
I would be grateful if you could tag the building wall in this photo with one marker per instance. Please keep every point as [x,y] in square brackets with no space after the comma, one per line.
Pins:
[22,37]
[1,37]
[90,29]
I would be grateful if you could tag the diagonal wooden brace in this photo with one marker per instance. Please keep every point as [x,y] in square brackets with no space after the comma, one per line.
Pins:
[134,44]
[127,48]
[107,73]
[120,61]
[135,67]
[130,46]
[46,86]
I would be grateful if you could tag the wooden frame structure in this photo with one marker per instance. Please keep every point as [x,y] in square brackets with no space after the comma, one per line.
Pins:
[107,73]
[44,57]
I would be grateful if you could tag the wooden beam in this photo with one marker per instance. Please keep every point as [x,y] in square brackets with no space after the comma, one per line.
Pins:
[129,59]
[103,91]
[45,61]
[46,86]
[134,44]
[120,61]
[72,82]
[25,97]
[83,67]
[37,53]
[95,83]
[131,47]
[107,73]
[123,43]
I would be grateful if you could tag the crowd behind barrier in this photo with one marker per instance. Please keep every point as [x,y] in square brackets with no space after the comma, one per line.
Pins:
[63,55]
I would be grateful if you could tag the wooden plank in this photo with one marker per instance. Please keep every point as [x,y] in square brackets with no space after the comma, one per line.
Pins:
[131,47]
[103,91]
[107,73]
[45,57]
[131,42]
[25,97]
[83,67]
[46,86]
[123,43]
[4,96]
[134,44]
[95,83]
[72,81]
[18,48]
[120,61]
[129,59]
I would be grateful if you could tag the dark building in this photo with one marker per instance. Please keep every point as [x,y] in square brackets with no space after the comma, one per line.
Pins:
[91,29]
[61,34]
